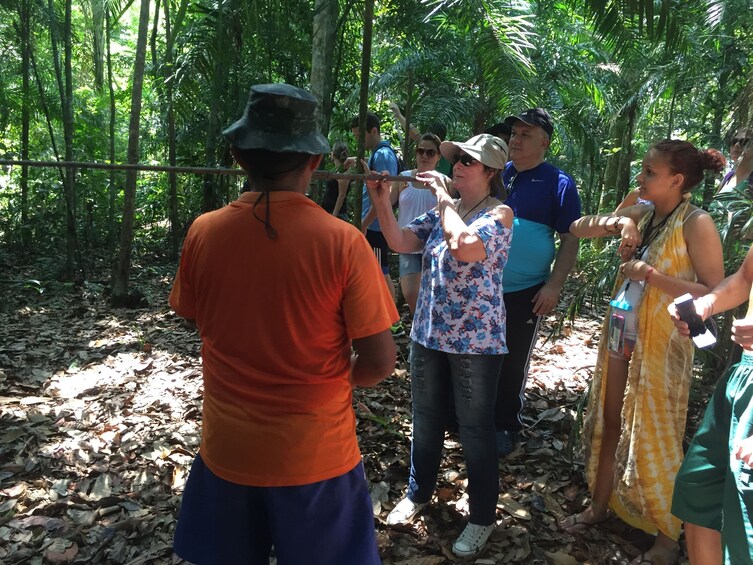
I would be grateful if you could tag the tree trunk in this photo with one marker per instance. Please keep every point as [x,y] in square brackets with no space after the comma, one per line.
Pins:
[73,252]
[363,107]
[709,186]
[211,200]
[584,172]
[172,153]
[164,90]
[323,50]
[340,46]
[24,17]
[611,177]
[671,119]
[122,270]
[64,79]
[626,155]
[590,171]
[112,188]
[98,48]
[46,112]
[153,39]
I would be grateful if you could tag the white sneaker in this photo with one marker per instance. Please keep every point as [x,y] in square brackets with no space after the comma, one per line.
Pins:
[472,540]
[404,512]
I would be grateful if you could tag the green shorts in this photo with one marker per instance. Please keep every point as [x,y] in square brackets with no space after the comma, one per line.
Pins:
[713,488]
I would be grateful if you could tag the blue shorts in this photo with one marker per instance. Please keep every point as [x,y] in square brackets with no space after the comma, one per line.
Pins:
[325,523]
[410,263]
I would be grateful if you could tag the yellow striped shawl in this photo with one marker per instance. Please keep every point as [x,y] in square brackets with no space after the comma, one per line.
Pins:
[654,409]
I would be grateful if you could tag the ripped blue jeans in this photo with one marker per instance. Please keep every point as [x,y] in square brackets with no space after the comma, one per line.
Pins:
[473,379]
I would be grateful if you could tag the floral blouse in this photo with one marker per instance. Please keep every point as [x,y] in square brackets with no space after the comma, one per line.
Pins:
[460,307]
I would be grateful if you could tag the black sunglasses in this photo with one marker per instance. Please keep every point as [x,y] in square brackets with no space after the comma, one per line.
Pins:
[741,140]
[466,159]
[428,152]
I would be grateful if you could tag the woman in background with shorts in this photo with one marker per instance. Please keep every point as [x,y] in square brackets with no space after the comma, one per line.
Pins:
[412,202]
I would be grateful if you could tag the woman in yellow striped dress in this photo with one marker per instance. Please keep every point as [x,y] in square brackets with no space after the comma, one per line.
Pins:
[637,409]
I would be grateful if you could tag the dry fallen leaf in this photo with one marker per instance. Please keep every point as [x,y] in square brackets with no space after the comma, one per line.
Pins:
[513,507]
[98,433]
[570,492]
[561,558]
[427,560]
[61,552]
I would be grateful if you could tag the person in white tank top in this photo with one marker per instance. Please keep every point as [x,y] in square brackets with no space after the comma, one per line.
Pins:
[413,201]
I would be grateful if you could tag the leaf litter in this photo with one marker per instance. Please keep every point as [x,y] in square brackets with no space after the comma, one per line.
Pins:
[100,414]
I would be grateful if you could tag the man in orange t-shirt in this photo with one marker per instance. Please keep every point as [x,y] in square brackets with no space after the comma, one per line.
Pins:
[282,293]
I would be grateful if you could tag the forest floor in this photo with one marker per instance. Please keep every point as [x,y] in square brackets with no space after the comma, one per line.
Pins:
[100,415]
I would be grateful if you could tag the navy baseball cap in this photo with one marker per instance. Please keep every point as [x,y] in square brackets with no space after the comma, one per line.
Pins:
[534,117]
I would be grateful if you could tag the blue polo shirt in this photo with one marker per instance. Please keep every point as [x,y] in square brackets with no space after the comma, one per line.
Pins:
[544,200]
[382,159]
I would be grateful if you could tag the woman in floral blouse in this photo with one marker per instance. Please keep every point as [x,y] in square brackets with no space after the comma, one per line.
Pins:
[458,335]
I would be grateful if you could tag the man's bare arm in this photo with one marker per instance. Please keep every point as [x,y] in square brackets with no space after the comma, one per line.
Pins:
[374,359]
[546,298]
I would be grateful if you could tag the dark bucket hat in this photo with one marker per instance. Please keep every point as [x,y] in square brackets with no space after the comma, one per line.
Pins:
[534,117]
[281,118]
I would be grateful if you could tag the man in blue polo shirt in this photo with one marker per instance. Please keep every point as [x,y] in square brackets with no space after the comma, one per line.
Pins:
[383,158]
[545,201]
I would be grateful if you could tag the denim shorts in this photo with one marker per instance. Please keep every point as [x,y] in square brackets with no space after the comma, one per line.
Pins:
[410,263]
[325,523]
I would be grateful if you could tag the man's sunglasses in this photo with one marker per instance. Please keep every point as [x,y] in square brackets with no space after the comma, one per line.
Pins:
[466,159]
[741,140]
[430,153]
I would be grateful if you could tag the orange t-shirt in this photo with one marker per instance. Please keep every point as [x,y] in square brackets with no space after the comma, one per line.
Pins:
[276,319]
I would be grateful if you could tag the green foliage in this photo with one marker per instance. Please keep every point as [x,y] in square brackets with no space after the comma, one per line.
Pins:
[596,272]
[26,284]
[682,72]
[733,214]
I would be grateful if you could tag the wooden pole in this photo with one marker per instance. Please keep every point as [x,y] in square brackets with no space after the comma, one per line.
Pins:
[326,175]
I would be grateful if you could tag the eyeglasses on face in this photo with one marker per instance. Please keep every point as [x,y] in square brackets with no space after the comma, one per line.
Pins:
[741,140]
[465,159]
[430,153]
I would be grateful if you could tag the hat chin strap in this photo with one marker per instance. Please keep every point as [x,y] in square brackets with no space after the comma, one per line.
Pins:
[268,229]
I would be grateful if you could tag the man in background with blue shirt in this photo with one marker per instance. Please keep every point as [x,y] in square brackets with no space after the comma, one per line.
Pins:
[383,158]
[544,200]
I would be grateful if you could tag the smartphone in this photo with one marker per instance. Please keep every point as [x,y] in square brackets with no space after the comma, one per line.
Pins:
[616,333]
[699,331]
